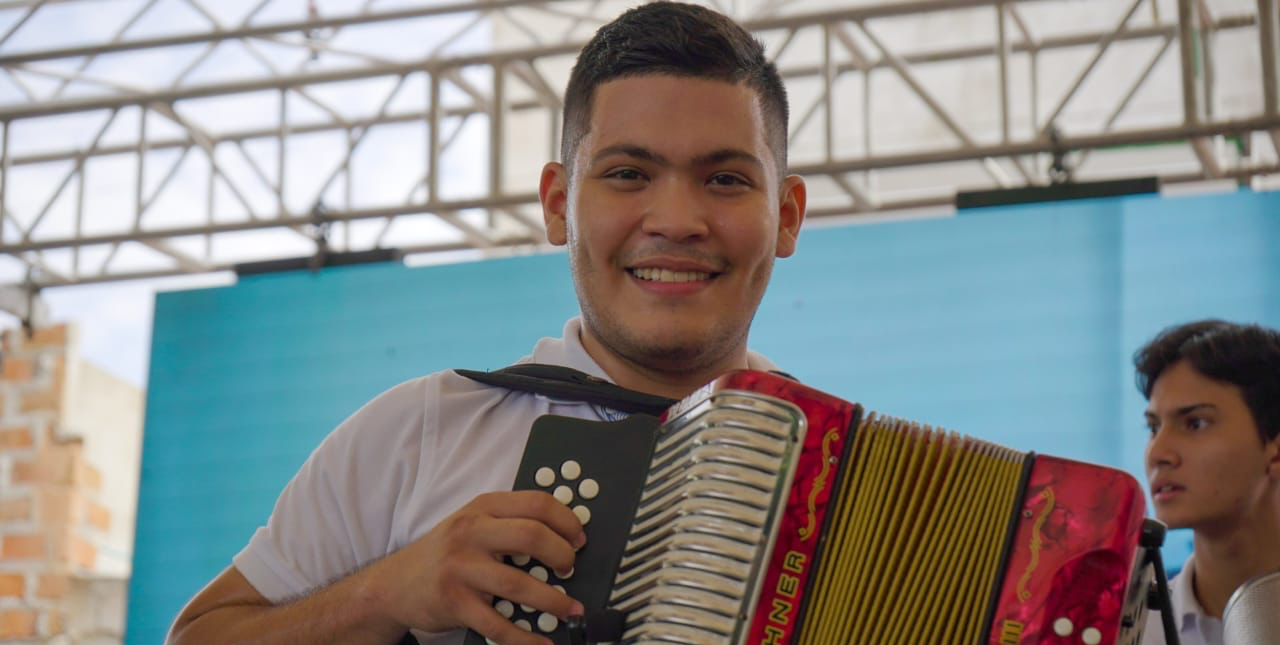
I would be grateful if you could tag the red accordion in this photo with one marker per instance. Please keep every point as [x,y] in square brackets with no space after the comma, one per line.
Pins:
[759,511]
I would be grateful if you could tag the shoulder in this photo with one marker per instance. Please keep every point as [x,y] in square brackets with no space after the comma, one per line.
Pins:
[392,431]
[413,404]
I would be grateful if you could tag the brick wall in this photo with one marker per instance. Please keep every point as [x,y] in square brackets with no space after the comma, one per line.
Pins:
[52,517]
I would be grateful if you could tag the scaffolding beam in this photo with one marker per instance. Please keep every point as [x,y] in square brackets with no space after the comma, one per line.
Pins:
[437,150]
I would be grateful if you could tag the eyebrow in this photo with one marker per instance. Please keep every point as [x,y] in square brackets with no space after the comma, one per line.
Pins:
[629,150]
[725,155]
[1184,410]
[641,153]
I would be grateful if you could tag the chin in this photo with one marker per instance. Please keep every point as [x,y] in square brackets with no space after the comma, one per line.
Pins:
[666,351]
[1174,521]
[669,355]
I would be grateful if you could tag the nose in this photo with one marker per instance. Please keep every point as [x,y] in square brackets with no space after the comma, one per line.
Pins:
[1162,450]
[677,211]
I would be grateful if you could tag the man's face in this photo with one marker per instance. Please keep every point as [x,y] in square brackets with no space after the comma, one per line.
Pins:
[673,216]
[1207,465]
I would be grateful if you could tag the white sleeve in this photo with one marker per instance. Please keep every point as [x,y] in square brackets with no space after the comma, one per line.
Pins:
[337,513]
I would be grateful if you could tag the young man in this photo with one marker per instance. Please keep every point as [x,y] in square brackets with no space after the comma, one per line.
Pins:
[673,201]
[1213,462]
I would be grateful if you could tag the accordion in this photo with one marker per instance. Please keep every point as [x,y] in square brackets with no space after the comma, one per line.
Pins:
[759,511]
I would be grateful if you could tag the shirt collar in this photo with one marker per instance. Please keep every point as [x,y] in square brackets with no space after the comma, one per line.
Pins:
[568,351]
[1183,596]
[1192,615]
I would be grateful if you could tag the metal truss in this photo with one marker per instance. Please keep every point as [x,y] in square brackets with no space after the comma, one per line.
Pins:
[188,135]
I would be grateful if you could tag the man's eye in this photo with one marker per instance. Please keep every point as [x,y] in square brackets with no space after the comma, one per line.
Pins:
[625,174]
[1197,423]
[1153,428]
[725,179]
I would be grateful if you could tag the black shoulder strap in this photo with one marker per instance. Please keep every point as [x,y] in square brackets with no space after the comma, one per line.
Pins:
[559,382]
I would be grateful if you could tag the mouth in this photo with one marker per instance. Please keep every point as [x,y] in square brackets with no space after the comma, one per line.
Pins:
[1164,491]
[655,274]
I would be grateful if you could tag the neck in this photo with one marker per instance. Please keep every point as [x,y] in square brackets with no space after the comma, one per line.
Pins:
[1224,560]
[674,384]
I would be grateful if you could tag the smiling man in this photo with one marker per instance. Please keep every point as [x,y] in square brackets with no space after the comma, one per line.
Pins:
[673,201]
[672,225]
[1213,462]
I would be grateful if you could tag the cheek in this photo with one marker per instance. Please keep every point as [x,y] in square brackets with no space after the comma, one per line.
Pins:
[592,240]
[756,244]
[1225,459]
[1226,475]
[596,245]
[599,227]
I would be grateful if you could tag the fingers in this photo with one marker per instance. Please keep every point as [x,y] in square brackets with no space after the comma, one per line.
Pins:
[512,584]
[535,505]
[526,537]
[490,624]
[518,588]
[529,523]
[456,568]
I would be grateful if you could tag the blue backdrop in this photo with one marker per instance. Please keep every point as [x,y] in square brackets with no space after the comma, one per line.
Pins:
[1015,324]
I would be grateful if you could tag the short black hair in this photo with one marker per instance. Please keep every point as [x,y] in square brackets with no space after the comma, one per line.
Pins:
[1247,356]
[674,39]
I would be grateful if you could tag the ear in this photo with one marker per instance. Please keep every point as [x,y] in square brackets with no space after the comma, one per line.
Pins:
[553,192]
[790,214]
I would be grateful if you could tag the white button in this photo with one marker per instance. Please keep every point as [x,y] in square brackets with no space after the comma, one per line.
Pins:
[544,477]
[519,560]
[1063,626]
[527,609]
[505,608]
[588,489]
[539,573]
[490,641]
[563,494]
[524,624]
[560,588]
[570,470]
[547,623]
[1091,636]
[583,513]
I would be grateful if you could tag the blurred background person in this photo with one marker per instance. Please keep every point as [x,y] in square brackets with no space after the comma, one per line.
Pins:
[1213,462]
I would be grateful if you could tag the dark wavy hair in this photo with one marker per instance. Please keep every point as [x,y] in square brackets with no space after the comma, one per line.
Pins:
[674,39]
[1247,356]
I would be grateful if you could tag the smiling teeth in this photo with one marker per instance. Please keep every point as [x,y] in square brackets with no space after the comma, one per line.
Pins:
[667,275]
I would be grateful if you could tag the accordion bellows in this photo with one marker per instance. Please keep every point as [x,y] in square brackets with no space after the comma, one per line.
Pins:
[765,512]
[916,491]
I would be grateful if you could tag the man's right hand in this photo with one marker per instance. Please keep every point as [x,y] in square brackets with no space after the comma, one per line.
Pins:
[448,578]
[444,580]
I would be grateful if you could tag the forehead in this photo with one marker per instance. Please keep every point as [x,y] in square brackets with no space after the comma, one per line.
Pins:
[677,117]
[1181,384]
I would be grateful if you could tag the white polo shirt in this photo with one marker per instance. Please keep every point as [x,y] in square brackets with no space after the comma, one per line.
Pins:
[1194,627]
[401,464]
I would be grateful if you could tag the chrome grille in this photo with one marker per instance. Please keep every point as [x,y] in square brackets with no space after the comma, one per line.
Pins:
[706,519]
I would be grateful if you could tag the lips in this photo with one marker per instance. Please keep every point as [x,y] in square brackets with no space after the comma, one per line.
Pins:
[673,269]
[654,274]
[1164,491]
